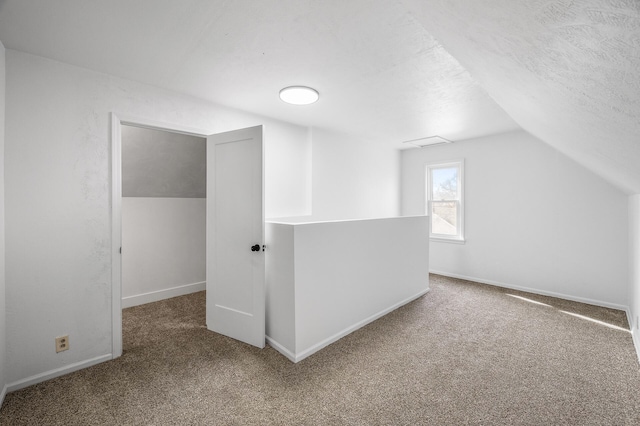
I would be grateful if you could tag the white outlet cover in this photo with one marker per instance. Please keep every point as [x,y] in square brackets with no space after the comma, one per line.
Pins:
[62,343]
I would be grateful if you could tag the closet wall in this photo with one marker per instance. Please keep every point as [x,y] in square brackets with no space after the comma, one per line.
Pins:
[163,215]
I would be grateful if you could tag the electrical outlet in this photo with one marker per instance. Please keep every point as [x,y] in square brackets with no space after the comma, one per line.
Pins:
[62,343]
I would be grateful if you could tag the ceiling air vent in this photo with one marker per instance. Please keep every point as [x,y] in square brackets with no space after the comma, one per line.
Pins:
[431,140]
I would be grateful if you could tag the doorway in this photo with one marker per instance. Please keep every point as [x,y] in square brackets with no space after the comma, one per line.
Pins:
[243,149]
[164,177]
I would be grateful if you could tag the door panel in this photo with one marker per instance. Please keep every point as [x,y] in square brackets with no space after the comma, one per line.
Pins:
[235,223]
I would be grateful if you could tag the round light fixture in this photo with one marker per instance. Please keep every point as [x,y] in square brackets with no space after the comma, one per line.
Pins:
[299,95]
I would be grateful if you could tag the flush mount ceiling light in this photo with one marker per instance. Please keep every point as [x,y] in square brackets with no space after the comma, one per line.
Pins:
[299,95]
[431,140]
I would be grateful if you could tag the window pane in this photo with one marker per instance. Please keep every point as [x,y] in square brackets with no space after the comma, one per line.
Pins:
[445,183]
[444,217]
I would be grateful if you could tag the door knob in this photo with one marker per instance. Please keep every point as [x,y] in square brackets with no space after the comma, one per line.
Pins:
[255,247]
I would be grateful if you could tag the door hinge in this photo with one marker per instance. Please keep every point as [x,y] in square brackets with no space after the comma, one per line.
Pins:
[120,250]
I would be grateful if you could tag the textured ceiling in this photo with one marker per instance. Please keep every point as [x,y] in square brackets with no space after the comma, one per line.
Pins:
[566,71]
[163,164]
[380,74]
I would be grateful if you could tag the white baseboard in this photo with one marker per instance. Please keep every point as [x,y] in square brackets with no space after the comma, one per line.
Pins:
[280,348]
[534,291]
[47,375]
[3,394]
[635,336]
[297,357]
[315,348]
[155,296]
[635,333]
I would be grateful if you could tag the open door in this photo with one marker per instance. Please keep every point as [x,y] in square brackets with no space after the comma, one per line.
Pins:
[235,235]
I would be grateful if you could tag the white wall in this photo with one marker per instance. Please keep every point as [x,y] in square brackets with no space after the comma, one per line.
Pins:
[164,245]
[58,234]
[287,159]
[327,279]
[634,268]
[2,264]
[534,219]
[353,179]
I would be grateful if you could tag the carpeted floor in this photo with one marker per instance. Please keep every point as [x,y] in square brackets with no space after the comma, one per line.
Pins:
[465,353]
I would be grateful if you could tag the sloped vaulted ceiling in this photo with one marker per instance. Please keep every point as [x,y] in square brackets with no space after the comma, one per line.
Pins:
[566,71]
[381,76]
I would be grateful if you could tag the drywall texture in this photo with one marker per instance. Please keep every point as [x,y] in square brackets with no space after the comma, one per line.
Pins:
[378,71]
[2,250]
[327,279]
[353,179]
[634,265]
[280,286]
[566,71]
[163,242]
[58,239]
[287,159]
[534,219]
[163,164]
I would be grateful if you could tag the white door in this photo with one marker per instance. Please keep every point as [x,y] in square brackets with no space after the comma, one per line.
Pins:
[235,235]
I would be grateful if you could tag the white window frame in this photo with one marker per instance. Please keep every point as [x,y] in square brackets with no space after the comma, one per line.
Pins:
[459,237]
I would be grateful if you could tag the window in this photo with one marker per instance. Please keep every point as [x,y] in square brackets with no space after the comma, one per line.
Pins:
[445,201]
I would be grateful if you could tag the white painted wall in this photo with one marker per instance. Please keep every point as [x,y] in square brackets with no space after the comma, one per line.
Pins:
[58,238]
[163,242]
[288,157]
[535,219]
[327,279]
[280,309]
[2,251]
[353,179]
[58,233]
[634,268]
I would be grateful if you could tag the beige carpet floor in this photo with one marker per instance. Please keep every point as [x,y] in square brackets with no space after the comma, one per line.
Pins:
[465,353]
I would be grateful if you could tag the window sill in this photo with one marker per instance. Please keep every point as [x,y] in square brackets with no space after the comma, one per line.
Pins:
[448,240]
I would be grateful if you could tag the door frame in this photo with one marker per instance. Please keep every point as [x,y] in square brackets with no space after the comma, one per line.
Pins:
[117,121]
